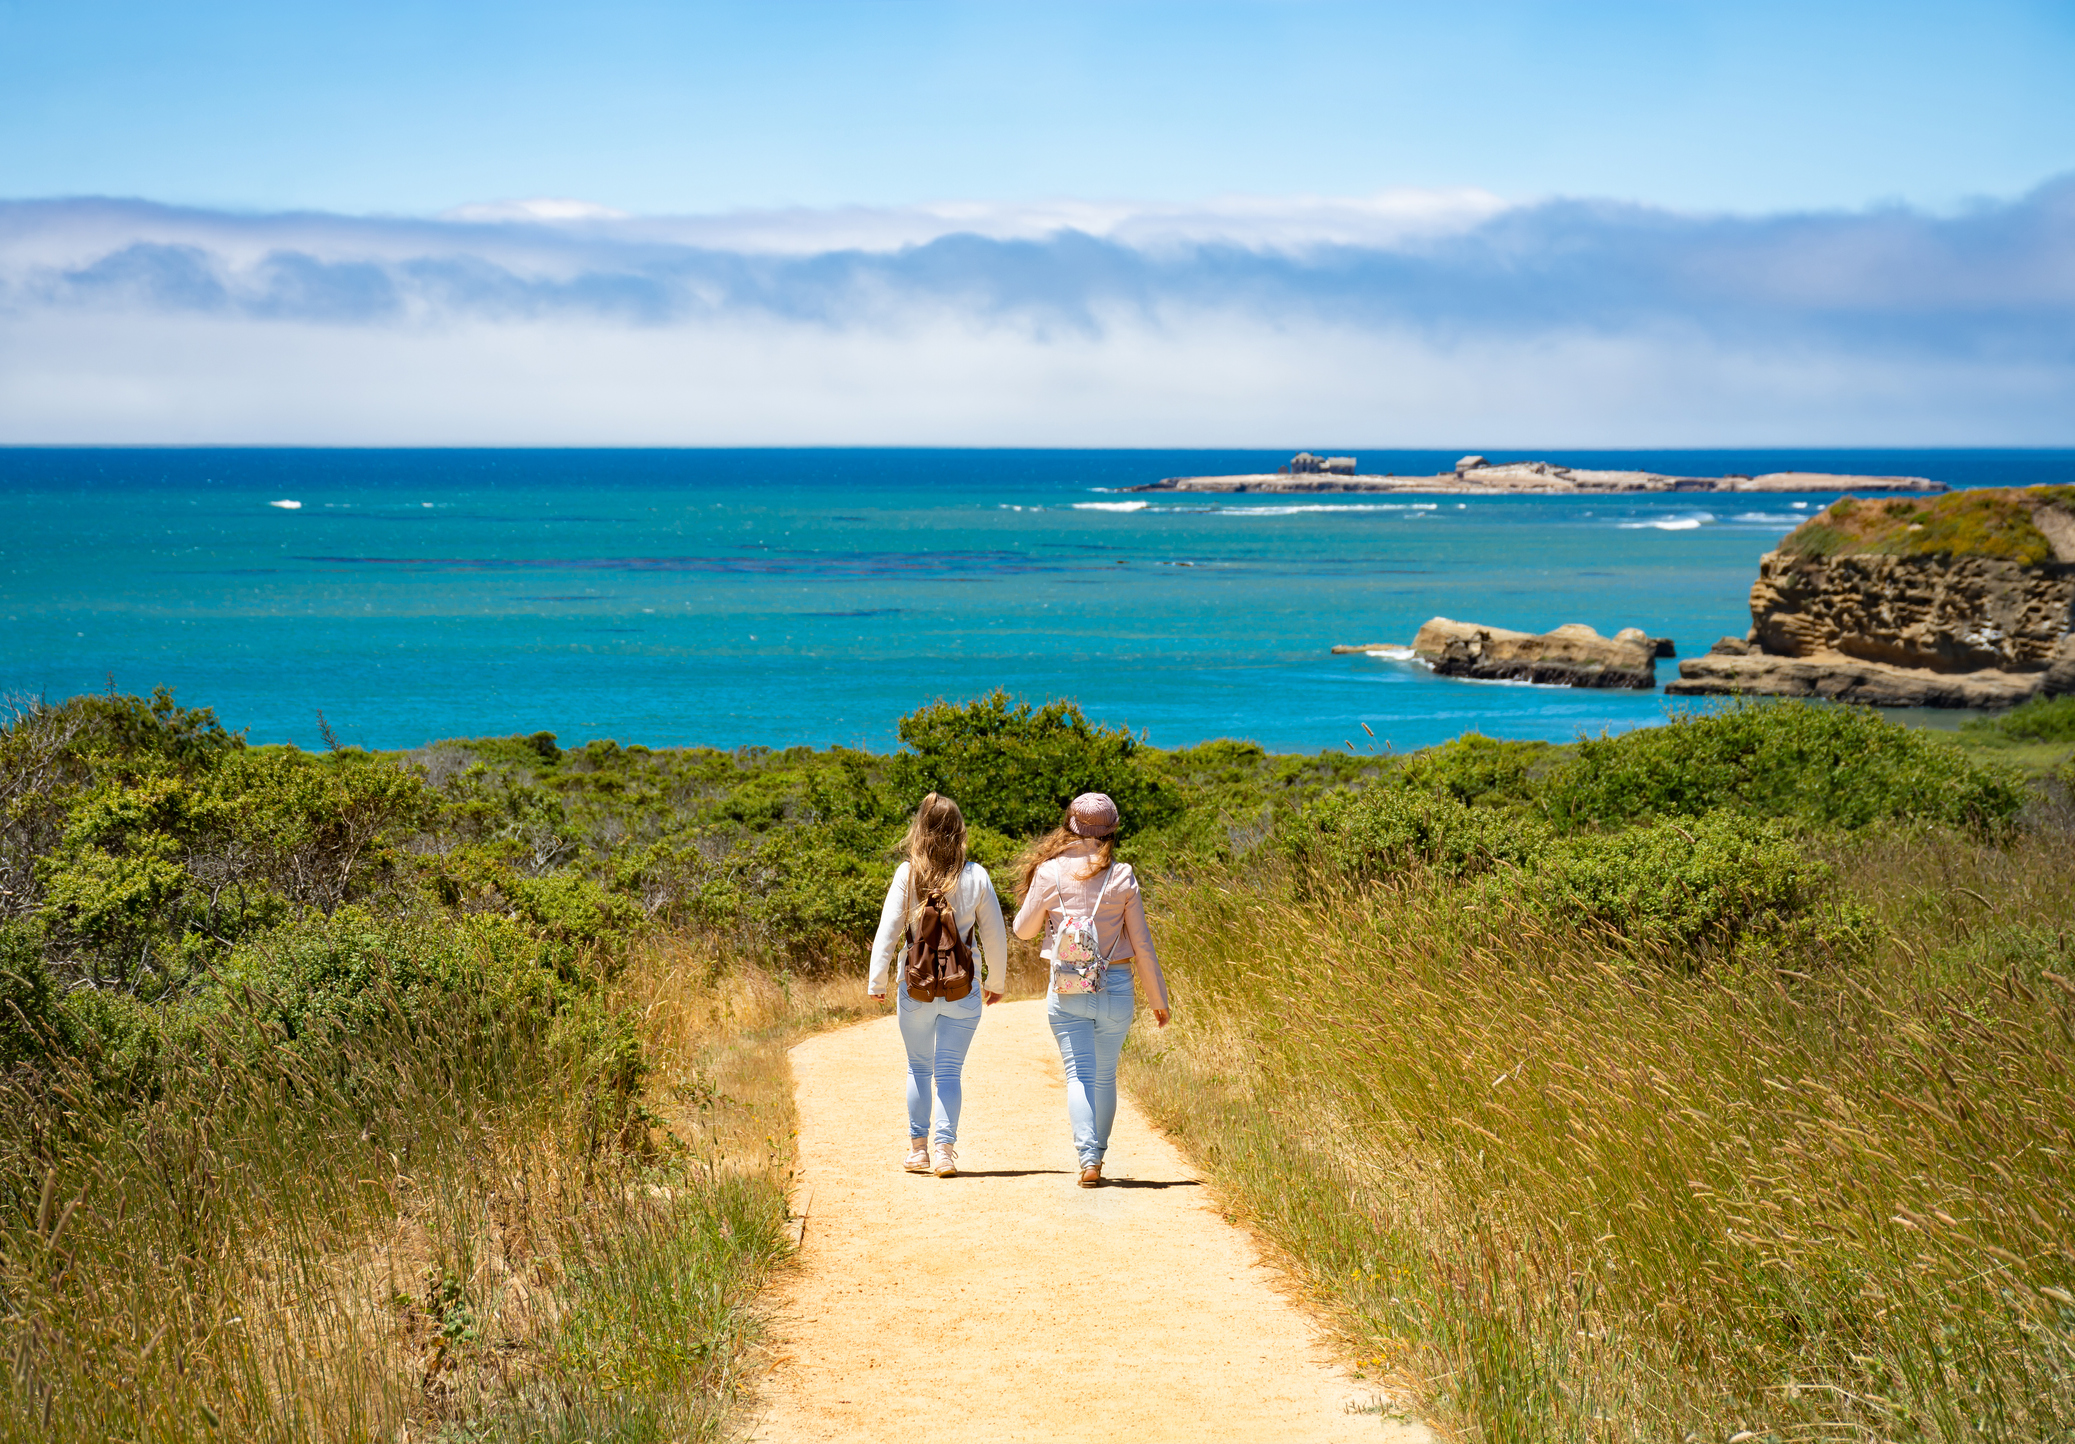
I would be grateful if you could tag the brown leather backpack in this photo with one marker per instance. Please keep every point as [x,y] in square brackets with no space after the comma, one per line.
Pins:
[940,965]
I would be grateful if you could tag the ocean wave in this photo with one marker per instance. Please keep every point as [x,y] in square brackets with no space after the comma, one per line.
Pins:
[1765,518]
[1296,509]
[1391,654]
[1669,523]
[1111,505]
[287,505]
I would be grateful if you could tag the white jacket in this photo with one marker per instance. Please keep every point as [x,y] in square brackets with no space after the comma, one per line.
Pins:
[973,906]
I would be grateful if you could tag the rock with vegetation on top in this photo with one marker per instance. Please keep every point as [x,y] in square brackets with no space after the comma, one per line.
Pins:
[1965,600]
[1573,655]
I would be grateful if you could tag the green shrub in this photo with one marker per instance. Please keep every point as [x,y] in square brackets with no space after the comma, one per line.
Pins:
[816,889]
[1385,832]
[33,1025]
[1823,766]
[1014,768]
[1474,767]
[155,732]
[2042,719]
[1697,887]
[326,978]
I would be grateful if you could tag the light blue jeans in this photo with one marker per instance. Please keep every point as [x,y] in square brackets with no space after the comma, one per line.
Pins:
[1090,1029]
[937,1036]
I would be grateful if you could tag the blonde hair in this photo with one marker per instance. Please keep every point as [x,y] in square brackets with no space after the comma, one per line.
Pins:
[1059,840]
[936,851]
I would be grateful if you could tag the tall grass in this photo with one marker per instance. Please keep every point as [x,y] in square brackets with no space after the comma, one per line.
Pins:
[1568,1186]
[423,1228]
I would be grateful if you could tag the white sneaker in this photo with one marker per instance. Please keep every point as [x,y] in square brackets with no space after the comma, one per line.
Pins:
[918,1159]
[947,1161]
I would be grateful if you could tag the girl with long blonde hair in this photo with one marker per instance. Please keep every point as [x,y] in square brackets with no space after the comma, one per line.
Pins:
[1087,906]
[938,887]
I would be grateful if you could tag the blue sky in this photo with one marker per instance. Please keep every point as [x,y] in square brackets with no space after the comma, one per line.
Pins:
[689,107]
[1125,222]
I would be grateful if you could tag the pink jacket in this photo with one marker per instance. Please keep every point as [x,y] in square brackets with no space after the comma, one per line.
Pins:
[1120,925]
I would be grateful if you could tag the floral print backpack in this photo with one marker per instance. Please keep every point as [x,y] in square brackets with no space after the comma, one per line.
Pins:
[1078,963]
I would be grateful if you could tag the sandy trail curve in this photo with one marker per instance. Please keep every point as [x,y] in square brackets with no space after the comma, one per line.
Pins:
[1009,1304]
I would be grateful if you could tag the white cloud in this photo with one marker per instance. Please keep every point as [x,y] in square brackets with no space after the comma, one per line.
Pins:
[1409,319]
[543,208]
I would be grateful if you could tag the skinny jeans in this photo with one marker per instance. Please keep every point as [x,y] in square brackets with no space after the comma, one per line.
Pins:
[937,1036]
[1090,1029]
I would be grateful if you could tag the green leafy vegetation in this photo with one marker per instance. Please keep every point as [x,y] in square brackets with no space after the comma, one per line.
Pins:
[350,1095]
[2042,719]
[1976,522]
[1818,766]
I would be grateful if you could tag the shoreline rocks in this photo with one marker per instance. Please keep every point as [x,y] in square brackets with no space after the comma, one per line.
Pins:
[1844,679]
[1474,476]
[1573,655]
[1963,601]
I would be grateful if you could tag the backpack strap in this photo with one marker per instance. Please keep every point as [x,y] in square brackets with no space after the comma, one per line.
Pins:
[1095,912]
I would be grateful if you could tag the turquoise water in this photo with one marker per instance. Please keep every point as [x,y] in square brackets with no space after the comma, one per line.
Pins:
[780,597]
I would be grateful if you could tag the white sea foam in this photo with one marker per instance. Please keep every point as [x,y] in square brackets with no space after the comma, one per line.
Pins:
[1391,654]
[1766,518]
[1669,523]
[1111,505]
[1295,509]
[1798,505]
[287,505]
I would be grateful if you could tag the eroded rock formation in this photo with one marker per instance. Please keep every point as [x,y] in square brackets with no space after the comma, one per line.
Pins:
[1963,601]
[1573,655]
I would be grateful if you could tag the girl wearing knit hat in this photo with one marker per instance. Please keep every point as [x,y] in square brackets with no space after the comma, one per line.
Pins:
[1088,907]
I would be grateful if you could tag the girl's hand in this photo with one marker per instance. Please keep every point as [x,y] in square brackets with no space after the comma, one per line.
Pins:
[989,999]
[1160,1016]
[878,997]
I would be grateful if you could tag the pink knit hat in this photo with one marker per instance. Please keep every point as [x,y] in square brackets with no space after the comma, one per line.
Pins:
[1092,814]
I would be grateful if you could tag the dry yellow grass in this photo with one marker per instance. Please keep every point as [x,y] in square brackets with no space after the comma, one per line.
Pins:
[1580,1194]
[233,1260]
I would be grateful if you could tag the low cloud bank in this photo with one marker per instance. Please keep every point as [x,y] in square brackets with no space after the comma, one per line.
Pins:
[1411,318]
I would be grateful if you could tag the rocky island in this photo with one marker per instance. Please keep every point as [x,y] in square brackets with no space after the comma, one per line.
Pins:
[1965,600]
[1573,655]
[1475,476]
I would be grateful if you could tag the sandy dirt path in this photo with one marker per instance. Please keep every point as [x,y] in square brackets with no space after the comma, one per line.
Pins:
[1132,1312]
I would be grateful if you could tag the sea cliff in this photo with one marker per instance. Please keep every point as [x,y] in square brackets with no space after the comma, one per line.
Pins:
[1961,601]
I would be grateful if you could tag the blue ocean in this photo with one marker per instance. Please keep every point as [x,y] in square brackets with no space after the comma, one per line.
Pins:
[814,596]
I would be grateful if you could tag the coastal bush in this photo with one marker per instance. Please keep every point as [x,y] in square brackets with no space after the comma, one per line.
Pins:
[815,891]
[1816,765]
[2039,719]
[1688,891]
[1476,768]
[33,1025]
[1013,767]
[155,869]
[324,978]
[1383,833]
